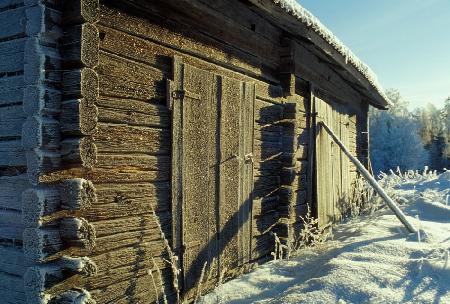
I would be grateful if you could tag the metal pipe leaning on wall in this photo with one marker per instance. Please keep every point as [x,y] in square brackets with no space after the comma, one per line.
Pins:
[400,215]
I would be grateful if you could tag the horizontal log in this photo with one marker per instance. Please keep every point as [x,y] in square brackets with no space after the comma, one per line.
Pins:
[43,21]
[242,38]
[156,115]
[41,162]
[43,244]
[40,279]
[269,171]
[77,194]
[146,255]
[272,127]
[39,244]
[40,132]
[11,189]
[262,245]
[293,141]
[78,117]
[131,224]
[270,165]
[11,120]
[80,45]
[45,205]
[267,113]
[38,203]
[264,205]
[11,53]
[129,46]
[11,89]
[76,152]
[12,153]
[294,212]
[111,138]
[113,267]
[41,99]
[119,40]
[289,174]
[12,23]
[264,223]
[140,283]
[99,175]
[42,64]
[265,186]
[11,284]
[128,239]
[73,296]
[241,14]
[290,195]
[120,77]
[111,19]
[124,200]
[268,136]
[266,151]
[137,161]
[77,232]
[11,218]
[12,261]
[81,83]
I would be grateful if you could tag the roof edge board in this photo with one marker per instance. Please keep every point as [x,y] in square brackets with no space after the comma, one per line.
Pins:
[300,22]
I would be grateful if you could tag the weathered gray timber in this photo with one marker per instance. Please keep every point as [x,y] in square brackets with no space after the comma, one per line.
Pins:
[143,143]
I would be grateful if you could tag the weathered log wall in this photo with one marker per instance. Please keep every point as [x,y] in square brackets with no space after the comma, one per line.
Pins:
[40,239]
[135,64]
[85,139]
[25,48]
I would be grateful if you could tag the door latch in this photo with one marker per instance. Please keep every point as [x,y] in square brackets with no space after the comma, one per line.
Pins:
[178,94]
[248,158]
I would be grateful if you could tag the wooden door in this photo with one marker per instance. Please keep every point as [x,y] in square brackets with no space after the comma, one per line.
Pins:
[212,170]
[326,168]
[194,169]
[333,182]
[236,171]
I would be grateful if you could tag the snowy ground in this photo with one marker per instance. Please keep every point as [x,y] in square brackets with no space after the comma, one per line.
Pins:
[370,260]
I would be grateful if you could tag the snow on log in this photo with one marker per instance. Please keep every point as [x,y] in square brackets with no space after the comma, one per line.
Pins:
[37,203]
[77,194]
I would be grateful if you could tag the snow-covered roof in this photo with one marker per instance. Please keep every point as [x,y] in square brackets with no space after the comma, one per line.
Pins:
[307,18]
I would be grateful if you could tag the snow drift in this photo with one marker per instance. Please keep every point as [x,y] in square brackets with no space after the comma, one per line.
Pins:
[371,259]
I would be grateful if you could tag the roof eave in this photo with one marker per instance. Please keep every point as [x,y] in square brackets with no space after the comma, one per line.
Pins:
[311,29]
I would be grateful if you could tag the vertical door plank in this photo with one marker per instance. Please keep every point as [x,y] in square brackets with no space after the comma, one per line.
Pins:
[229,201]
[195,148]
[247,128]
[176,104]
[214,176]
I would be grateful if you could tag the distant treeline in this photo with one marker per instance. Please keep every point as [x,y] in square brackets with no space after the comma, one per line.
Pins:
[410,139]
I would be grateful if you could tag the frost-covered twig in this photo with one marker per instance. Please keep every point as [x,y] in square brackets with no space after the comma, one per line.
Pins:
[199,286]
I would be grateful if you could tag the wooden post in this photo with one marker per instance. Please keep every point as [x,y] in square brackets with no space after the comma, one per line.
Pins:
[400,215]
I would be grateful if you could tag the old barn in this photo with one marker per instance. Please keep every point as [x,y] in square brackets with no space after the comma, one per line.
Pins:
[139,138]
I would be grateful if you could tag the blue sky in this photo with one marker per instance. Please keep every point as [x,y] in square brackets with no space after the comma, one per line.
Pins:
[405,42]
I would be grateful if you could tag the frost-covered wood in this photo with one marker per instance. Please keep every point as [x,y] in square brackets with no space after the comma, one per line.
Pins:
[89,113]
[79,152]
[80,45]
[78,117]
[80,83]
